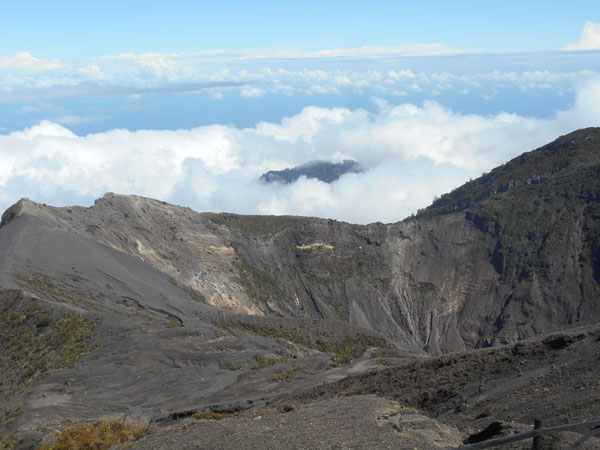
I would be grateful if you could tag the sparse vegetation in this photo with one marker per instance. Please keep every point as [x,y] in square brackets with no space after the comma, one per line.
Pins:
[42,284]
[284,407]
[32,345]
[344,350]
[257,225]
[426,288]
[386,356]
[174,324]
[9,444]
[197,295]
[258,285]
[9,415]
[98,436]
[286,376]
[265,361]
[237,367]
[488,410]
[215,415]
[379,354]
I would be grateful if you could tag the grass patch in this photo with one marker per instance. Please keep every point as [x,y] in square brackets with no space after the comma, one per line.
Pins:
[266,361]
[237,367]
[287,376]
[285,407]
[174,324]
[98,436]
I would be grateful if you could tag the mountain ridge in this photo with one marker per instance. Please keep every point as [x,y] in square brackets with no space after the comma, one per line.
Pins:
[253,263]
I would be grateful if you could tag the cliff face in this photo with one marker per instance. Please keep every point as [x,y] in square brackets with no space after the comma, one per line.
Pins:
[409,280]
[509,255]
[541,211]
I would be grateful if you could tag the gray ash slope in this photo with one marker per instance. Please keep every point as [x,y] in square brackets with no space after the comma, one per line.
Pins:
[508,256]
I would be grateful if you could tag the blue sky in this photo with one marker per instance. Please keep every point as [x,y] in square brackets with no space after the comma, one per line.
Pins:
[75,29]
[191,102]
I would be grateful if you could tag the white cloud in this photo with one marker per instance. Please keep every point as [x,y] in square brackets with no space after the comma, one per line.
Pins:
[304,125]
[252,92]
[25,61]
[161,64]
[411,153]
[93,71]
[407,73]
[590,38]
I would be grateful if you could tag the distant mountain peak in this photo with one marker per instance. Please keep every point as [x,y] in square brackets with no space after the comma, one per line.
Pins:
[324,171]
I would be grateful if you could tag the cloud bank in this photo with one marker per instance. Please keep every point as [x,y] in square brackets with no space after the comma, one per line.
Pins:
[391,71]
[411,153]
[590,38]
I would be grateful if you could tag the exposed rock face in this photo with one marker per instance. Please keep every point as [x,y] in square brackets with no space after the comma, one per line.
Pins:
[324,171]
[509,255]
[177,241]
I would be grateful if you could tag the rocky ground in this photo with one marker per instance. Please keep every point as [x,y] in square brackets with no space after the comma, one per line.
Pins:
[553,378]
[365,422]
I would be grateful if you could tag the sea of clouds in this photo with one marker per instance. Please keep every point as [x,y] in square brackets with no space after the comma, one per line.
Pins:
[412,152]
